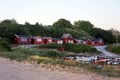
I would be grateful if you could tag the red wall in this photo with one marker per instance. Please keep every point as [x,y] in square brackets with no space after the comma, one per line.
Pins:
[48,40]
[18,41]
[36,41]
[65,40]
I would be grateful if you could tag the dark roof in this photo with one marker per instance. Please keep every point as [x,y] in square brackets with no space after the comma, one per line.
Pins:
[37,37]
[57,39]
[97,39]
[47,37]
[28,36]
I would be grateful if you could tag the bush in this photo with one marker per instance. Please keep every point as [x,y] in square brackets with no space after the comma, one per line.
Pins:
[4,45]
[17,56]
[34,51]
[22,54]
[54,54]
[50,46]
[71,47]
[79,48]
[114,48]
[31,51]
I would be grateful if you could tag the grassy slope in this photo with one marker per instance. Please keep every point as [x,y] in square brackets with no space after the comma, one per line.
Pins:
[79,33]
[114,48]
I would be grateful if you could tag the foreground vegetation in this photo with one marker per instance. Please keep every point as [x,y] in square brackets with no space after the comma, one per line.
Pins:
[114,48]
[4,45]
[76,48]
[55,58]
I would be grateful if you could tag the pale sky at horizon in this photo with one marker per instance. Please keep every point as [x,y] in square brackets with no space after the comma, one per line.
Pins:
[104,14]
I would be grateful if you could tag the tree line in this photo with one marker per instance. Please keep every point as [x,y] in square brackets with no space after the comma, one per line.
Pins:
[80,30]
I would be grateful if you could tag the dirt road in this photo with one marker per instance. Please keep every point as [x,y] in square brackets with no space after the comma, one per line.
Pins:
[105,52]
[13,70]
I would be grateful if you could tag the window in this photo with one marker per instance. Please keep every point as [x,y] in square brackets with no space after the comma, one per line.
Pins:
[60,42]
[39,40]
[50,40]
[71,41]
[23,39]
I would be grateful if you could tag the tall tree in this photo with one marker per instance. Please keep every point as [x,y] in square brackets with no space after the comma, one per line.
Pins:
[107,36]
[62,23]
[8,21]
[84,25]
[116,33]
[27,23]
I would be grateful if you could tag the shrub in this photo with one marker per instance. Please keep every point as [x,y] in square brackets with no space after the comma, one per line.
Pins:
[34,51]
[50,46]
[4,45]
[79,48]
[54,54]
[71,47]
[31,51]
[17,55]
[114,48]
[22,54]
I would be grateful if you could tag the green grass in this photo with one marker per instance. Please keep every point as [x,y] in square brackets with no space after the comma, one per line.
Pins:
[16,55]
[53,46]
[4,45]
[114,48]
[76,48]
[22,54]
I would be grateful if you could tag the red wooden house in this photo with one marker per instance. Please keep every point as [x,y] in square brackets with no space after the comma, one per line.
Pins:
[37,40]
[48,40]
[58,41]
[97,42]
[89,42]
[78,41]
[67,38]
[22,39]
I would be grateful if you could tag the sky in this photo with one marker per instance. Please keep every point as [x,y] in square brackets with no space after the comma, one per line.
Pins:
[103,14]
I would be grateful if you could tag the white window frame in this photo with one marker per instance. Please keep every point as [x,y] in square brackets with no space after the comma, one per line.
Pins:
[22,39]
[39,40]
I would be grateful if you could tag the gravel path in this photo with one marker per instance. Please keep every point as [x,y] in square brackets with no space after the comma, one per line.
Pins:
[105,52]
[13,70]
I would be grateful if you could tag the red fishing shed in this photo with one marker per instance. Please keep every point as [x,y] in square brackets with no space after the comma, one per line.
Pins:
[22,39]
[67,38]
[48,40]
[37,40]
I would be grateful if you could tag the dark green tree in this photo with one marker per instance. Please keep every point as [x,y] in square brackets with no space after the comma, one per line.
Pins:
[27,23]
[84,25]
[62,23]
[107,36]
[8,21]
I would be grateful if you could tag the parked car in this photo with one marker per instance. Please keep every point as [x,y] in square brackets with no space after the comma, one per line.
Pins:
[116,62]
[109,62]
[69,57]
[84,59]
